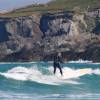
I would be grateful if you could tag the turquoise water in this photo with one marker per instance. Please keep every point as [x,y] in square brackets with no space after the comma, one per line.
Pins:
[36,81]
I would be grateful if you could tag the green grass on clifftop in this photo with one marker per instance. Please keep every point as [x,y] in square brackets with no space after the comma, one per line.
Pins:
[53,6]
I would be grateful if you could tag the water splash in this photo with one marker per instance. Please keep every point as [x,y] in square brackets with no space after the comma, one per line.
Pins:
[36,75]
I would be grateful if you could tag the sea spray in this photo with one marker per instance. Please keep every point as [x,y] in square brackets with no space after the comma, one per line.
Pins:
[36,75]
[23,81]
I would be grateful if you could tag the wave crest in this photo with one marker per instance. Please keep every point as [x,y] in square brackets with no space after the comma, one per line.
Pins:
[36,75]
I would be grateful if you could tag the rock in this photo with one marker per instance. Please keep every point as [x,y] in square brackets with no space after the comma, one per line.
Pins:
[39,37]
[55,24]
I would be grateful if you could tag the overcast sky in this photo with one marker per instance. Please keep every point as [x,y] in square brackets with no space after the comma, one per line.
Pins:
[6,5]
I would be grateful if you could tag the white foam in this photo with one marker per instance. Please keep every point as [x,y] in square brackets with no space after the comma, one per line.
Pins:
[81,61]
[97,71]
[33,74]
[84,61]
[69,73]
[95,63]
[17,62]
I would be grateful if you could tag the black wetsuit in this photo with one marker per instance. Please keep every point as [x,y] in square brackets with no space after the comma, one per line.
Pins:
[56,64]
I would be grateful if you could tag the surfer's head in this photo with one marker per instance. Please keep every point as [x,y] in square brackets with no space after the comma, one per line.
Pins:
[59,54]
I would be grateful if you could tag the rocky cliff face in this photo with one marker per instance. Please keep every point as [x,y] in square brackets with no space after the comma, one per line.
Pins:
[38,37]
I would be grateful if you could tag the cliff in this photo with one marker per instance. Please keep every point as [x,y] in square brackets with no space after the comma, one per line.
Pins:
[39,36]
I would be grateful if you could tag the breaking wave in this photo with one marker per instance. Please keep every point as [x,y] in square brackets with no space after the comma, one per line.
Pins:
[46,76]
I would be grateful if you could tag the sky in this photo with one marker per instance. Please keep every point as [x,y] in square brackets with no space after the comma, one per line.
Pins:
[7,5]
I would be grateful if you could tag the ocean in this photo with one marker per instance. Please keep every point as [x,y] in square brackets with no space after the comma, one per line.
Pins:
[36,81]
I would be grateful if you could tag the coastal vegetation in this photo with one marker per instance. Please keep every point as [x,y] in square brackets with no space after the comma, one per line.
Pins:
[55,6]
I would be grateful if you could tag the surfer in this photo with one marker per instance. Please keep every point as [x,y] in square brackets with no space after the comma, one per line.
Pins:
[56,63]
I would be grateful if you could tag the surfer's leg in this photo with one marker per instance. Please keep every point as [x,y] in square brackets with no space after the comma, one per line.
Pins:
[60,70]
[54,69]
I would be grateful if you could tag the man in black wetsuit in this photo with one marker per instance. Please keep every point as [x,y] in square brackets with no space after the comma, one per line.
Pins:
[56,63]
